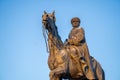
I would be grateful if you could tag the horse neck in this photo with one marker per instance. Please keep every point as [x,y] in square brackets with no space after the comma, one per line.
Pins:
[54,40]
[51,44]
[54,33]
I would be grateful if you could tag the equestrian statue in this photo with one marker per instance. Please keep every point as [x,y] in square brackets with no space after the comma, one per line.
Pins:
[70,60]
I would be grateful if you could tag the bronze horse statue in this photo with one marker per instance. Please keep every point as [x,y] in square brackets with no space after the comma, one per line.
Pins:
[60,62]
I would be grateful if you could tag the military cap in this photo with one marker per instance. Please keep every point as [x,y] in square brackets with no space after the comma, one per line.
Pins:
[75,19]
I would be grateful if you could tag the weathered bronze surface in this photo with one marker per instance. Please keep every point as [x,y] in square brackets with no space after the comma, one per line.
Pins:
[70,60]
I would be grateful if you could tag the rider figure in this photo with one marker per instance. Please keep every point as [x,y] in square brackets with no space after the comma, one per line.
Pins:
[76,41]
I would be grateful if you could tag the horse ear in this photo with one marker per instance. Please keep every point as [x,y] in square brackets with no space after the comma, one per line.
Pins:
[53,13]
[45,12]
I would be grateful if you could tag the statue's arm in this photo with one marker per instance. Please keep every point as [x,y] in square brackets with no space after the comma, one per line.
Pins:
[78,37]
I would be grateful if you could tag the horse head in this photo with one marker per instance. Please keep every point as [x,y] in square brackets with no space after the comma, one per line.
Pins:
[48,19]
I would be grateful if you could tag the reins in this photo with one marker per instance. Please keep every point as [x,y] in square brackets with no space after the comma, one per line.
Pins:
[44,35]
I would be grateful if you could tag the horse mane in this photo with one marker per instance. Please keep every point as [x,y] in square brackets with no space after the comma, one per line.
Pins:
[55,34]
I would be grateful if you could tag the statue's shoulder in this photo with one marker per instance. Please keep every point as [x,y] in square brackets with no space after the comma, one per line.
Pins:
[80,29]
[77,30]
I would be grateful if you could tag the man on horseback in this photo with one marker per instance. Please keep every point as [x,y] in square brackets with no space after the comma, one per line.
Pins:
[77,42]
[70,60]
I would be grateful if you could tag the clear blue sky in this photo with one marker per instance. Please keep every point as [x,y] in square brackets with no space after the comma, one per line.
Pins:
[23,53]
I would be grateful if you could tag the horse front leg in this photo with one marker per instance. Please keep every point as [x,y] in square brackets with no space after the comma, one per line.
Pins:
[55,78]
[57,73]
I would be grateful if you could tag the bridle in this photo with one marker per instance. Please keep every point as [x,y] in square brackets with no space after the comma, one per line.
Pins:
[45,23]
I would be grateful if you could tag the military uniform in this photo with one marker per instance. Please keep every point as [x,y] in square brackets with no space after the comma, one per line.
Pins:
[77,41]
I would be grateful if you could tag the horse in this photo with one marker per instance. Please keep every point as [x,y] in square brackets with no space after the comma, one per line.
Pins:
[59,61]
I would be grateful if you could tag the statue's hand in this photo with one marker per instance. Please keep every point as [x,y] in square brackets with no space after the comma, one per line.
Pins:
[73,42]
[70,41]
